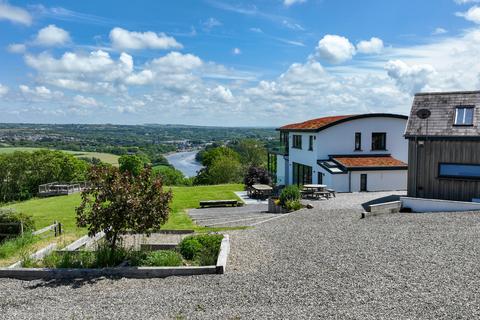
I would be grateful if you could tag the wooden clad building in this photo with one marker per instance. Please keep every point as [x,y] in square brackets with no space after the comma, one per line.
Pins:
[444,146]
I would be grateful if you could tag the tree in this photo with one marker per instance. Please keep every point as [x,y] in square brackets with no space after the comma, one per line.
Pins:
[171,176]
[212,154]
[252,152]
[119,201]
[131,163]
[256,175]
[224,169]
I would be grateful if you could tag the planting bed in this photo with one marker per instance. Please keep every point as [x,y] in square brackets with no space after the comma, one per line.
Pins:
[196,254]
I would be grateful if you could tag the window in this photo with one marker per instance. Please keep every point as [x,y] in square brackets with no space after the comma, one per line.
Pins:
[297,141]
[310,143]
[464,116]
[458,170]
[302,174]
[358,141]
[379,141]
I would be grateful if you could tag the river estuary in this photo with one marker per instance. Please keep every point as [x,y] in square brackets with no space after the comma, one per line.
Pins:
[185,162]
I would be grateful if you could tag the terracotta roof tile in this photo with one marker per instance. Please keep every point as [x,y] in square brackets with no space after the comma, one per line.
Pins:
[314,124]
[369,161]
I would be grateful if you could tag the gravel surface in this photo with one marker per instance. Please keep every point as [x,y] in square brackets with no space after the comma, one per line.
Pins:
[318,263]
[247,215]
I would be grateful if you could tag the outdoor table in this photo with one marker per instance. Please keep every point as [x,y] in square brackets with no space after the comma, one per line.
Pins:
[262,190]
[315,187]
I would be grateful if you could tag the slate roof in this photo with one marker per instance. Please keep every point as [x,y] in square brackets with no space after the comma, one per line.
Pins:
[442,106]
[326,122]
[369,161]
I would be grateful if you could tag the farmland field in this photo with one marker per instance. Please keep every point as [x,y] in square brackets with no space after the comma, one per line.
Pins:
[104,157]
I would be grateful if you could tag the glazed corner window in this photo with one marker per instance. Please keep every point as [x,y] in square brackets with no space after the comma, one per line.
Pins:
[459,171]
[358,141]
[379,141]
[297,141]
[464,116]
[310,143]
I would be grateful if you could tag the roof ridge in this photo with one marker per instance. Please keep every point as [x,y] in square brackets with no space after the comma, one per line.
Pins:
[447,93]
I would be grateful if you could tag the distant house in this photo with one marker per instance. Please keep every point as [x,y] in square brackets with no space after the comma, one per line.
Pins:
[444,146]
[365,152]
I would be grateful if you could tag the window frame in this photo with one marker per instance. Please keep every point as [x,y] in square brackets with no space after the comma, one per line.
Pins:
[384,141]
[297,145]
[310,142]
[359,142]
[457,177]
[464,108]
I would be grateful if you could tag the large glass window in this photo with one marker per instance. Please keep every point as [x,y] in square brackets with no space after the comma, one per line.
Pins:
[379,141]
[358,141]
[297,141]
[464,116]
[458,170]
[302,174]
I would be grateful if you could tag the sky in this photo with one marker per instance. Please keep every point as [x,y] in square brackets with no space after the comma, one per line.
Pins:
[230,63]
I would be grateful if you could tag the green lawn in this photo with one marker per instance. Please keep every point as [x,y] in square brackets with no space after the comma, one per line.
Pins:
[62,209]
[104,157]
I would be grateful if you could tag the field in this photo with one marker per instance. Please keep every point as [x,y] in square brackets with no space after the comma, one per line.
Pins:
[104,157]
[62,209]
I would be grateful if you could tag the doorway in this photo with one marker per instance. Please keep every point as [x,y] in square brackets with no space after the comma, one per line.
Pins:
[363,182]
[320,178]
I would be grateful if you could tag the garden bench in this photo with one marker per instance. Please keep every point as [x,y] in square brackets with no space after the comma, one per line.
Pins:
[324,194]
[332,192]
[218,203]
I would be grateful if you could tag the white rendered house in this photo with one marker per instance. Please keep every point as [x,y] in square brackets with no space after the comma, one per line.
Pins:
[352,153]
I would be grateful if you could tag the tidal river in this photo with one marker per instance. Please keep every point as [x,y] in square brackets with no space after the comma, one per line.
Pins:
[185,162]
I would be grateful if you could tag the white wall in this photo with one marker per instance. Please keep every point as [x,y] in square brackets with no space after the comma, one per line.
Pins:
[380,180]
[435,205]
[340,139]
[281,179]
[303,156]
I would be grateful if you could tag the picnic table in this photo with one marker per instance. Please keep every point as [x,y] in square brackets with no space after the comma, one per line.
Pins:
[261,190]
[315,191]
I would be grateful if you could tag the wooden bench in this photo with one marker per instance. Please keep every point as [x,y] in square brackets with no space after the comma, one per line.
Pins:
[332,192]
[324,194]
[218,203]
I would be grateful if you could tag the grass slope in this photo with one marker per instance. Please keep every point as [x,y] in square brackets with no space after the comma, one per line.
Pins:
[47,210]
[104,157]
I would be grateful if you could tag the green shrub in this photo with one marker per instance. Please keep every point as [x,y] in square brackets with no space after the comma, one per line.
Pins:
[289,193]
[190,247]
[11,246]
[202,248]
[293,205]
[12,216]
[161,258]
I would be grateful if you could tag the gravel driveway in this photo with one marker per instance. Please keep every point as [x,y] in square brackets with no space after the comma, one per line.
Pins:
[319,263]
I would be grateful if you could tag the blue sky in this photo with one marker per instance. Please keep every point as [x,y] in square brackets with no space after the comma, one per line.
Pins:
[245,63]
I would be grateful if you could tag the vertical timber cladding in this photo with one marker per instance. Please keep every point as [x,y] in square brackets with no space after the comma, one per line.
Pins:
[423,169]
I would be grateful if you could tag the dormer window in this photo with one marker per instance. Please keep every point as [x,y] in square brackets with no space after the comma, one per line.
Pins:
[464,116]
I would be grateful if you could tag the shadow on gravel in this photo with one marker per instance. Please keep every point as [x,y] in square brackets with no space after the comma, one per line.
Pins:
[393,197]
[73,283]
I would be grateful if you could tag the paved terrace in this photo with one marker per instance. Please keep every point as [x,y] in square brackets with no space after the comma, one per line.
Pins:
[319,263]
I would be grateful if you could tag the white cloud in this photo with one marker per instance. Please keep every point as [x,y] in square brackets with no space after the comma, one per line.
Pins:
[222,94]
[291,2]
[292,25]
[473,14]
[85,101]
[335,49]
[14,14]
[52,36]
[3,90]
[466,1]
[439,31]
[175,62]
[236,51]
[17,48]
[123,40]
[256,30]
[211,23]
[141,78]
[410,78]
[41,92]
[372,46]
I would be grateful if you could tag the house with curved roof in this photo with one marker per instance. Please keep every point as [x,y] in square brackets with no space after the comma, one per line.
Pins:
[348,153]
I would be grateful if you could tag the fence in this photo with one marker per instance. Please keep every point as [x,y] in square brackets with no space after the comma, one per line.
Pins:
[60,188]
